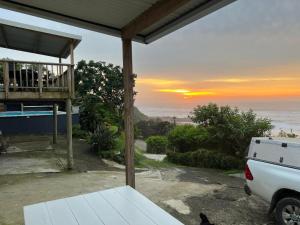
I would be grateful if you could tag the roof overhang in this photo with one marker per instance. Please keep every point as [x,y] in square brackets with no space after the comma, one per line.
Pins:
[23,37]
[158,17]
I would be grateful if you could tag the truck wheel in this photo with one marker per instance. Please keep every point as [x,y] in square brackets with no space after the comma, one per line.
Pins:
[288,211]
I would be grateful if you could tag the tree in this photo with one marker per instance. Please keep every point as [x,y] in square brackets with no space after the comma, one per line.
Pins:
[105,81]
[229,129]
[99,92]
[93,112]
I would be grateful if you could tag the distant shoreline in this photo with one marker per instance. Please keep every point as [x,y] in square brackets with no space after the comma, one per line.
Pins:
[278,126]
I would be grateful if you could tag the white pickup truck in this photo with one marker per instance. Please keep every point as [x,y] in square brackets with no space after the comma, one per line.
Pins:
[273,173]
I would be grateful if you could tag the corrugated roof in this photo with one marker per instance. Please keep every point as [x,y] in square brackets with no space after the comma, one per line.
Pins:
[110,16]
[34,39]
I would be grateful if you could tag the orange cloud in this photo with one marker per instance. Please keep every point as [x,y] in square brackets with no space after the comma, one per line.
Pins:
[159,82]
[225,88]
[243,80]
[187,92]
[174,90]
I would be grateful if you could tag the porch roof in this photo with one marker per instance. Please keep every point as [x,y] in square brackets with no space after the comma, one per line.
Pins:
[141,20]
[23,37]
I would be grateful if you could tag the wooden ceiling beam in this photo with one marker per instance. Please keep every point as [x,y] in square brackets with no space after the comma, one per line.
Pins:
[156,12]
[4,36]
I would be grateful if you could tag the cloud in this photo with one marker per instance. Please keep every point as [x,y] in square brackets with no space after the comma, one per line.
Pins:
[243,80]
[159,82]
[186,92]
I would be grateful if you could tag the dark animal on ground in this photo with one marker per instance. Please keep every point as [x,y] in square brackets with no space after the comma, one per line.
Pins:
[204,220]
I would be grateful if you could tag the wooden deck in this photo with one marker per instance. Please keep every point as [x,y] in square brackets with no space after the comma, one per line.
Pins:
[117,206]
[24,80]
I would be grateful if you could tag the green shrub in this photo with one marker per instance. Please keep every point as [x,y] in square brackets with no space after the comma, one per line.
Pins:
[206,159]
[77,132]
[157,144]
[230,130]
[103,139]
[186,138]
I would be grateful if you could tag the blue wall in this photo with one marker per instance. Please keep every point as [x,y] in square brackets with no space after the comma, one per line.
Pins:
[34,124]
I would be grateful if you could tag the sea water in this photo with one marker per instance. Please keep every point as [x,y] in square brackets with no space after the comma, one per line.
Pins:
[288,121]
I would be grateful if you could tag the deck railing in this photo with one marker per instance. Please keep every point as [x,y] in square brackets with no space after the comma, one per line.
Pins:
[23,76]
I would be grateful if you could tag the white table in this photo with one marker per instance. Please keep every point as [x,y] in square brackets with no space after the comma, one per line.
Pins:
[117,206]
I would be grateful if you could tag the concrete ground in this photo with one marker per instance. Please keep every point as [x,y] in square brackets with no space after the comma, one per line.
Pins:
[183,192]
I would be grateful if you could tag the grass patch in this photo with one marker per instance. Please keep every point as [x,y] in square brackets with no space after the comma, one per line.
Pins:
[142,161]
[229,172]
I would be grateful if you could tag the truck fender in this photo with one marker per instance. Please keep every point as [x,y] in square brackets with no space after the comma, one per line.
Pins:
[280,194]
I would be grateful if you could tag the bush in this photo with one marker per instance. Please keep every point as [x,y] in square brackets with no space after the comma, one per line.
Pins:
[77,132]
[205,158]
[230,130]
[157,144]
[104,139]
[186,138]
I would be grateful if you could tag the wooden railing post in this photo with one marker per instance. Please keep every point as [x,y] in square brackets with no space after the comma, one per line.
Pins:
[72,70]
[59,75]
[69,81]
[6,78]
[15,78]
[40,80]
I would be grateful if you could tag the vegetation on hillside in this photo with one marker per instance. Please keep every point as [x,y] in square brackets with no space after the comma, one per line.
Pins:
[229,129]
[139,116]
[147,128]
[218,140]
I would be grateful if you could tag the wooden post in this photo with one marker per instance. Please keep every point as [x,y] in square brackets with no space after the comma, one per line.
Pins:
[54,123]
[69,133]
[72,70]
[15,79]
[60,76]
[69,109]
[69,81]
[128,111]
[6,78]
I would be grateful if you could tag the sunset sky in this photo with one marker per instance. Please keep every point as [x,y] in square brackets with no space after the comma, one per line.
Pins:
[246,54]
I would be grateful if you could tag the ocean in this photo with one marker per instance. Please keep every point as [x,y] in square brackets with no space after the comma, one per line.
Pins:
[288,121]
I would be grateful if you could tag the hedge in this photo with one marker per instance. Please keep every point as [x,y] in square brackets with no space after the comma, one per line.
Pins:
[206,159]
[157,144]
[185,138]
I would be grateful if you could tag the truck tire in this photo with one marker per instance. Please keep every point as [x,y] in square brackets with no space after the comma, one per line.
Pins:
[288,211]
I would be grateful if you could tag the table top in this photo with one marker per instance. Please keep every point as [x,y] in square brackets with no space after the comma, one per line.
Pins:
[117,206]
